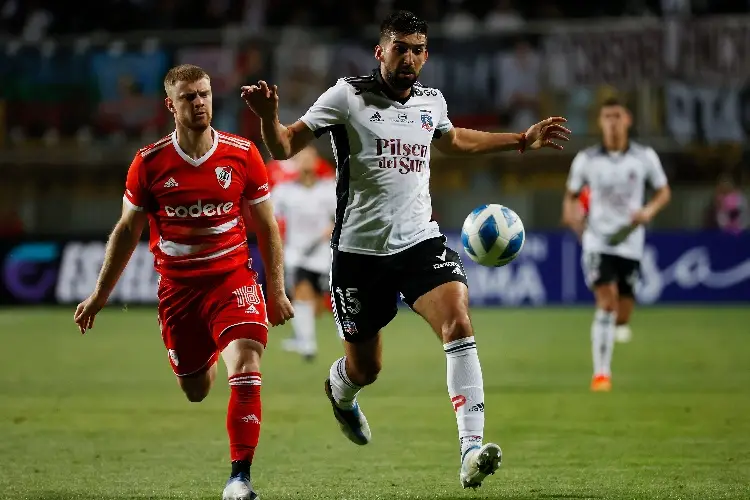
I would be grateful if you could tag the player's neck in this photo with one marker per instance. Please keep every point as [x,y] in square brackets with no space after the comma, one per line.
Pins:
[307,180]
[195,143]
[616,145]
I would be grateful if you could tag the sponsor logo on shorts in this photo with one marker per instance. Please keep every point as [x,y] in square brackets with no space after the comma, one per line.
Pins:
[172,355]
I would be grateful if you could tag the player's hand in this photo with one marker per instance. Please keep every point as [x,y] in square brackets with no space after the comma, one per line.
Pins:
[642,216]
[262,99]
[87,311]
[547,134]
[280,310]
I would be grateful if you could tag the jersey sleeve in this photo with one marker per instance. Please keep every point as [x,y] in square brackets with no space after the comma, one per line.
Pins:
[331,108]
[136,192]
[577,174]
[444,124]
[655,172]
[256,187]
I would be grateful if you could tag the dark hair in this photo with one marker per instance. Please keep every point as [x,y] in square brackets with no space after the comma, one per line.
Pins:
[612,101]
[402,22]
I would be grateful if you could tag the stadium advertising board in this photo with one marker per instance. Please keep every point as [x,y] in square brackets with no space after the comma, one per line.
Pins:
[678,267]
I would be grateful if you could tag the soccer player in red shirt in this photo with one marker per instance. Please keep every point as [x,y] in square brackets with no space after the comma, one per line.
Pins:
[194,188]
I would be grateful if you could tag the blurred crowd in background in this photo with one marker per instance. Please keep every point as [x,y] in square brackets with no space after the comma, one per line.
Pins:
[82,89]
[36,18]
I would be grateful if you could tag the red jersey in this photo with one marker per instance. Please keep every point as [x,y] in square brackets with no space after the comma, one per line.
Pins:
[194,206]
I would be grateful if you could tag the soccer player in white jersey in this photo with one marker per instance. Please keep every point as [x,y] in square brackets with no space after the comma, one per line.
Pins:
[616,172]
[384,240]
[308,206]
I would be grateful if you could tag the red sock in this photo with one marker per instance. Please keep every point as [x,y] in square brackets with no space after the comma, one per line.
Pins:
[244,415]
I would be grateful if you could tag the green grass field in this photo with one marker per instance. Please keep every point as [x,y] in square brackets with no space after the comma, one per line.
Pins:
[101,417]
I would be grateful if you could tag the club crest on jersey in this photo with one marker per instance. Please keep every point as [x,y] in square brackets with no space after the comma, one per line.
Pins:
[427,122]
[224,176]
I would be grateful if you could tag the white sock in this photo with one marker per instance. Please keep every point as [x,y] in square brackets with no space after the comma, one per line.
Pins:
[344,390]
[466,390]
[603,341]
[303,323]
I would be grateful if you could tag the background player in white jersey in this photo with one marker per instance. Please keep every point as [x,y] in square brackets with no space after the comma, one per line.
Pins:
[613,234]
[384,241]
[307,206]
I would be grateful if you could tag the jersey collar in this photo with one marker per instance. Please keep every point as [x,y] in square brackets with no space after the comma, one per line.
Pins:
[202,159]
[604,151]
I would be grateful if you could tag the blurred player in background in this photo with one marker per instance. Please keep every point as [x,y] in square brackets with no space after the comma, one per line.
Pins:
[622,329]
[193,187]
[280,171]
[613,234]
[384,240]
[307,205]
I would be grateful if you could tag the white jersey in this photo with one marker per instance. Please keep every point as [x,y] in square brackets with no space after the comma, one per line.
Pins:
[382,150]
[617,183]
[308,213]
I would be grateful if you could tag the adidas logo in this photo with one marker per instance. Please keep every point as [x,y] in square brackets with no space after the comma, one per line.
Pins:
[457,270]
[477,407]
[251,310]
[251,418]
[171,183]
[376,117]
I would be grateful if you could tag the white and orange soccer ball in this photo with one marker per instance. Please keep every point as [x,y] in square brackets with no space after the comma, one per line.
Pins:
[493,235]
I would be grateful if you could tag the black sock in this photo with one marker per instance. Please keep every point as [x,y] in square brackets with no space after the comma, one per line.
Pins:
[240,467]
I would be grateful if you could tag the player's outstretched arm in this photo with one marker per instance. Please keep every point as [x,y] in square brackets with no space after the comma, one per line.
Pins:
[545,134]
[282,142]
[271,251]
[122,241]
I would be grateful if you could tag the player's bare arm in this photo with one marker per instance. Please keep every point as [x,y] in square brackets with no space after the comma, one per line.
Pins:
[283,142]
[120,246]
[658,202]
[571,215]
[545,134]
[269,243]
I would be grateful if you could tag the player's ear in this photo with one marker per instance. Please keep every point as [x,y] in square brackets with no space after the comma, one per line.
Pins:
[379,53]
[169,104]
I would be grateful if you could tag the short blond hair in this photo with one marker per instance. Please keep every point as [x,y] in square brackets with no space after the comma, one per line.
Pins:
[184,73]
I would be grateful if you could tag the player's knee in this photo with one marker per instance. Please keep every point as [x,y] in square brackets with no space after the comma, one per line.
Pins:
[195,395]
[197,387]
[242,356]
[457,327]
[606,297]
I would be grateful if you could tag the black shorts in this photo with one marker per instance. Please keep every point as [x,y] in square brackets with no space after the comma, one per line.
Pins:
[319,281]
[602,268]
[365,288]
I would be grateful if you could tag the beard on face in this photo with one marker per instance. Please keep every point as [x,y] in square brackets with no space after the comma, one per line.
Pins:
[199,123]
[401,79]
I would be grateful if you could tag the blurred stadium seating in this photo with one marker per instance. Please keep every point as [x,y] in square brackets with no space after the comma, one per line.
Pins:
[82,90]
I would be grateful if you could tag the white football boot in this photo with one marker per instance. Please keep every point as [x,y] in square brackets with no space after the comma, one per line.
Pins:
[478,463]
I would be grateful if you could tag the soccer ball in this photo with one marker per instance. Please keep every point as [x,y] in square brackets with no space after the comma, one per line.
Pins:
[492,235]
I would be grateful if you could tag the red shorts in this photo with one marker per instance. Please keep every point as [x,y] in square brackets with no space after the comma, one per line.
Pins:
[196,317]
